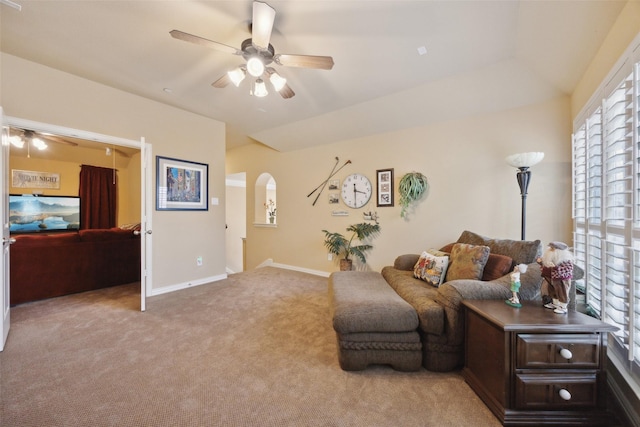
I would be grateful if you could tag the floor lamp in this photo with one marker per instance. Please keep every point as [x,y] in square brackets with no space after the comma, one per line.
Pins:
[523,161]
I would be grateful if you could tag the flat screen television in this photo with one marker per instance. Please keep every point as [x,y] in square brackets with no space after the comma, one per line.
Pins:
[43,214]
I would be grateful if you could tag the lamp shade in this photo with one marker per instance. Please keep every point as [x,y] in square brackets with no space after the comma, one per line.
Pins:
[260,89]
[236,76]
[525,160]
[277,81]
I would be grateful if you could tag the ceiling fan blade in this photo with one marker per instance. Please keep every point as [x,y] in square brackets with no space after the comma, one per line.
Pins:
[222,81]
[286,92]
[304,61]
[262,24]
[177,34]
[58,140]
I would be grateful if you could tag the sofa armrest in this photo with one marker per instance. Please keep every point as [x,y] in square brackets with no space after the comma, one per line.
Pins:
[406,262]
[431,315]
[451,294]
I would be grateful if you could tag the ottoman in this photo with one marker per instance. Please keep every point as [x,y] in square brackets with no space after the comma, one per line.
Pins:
[373,324]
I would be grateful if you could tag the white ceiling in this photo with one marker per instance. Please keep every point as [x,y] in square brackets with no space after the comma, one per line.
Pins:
[481,56]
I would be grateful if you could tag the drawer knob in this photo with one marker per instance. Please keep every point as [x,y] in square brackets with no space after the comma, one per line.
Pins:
[564,394]
[566,353]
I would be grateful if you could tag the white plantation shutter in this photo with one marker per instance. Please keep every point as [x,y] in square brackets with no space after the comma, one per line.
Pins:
[618,201]
[606,205]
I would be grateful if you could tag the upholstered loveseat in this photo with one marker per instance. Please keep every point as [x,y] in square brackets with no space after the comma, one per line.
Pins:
[45,266]
[439,309]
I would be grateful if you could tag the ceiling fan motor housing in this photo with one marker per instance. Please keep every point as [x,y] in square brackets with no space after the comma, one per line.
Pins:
[250,50]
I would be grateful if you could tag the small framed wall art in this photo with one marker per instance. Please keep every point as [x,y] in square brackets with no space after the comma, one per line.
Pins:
[384,185]
[181,185]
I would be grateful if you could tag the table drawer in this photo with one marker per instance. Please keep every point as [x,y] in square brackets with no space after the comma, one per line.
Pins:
[557,351]
[556,391]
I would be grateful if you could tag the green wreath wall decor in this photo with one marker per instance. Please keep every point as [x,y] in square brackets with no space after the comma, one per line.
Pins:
[412,186]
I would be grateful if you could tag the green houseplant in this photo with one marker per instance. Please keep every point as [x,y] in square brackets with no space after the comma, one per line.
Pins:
[340,245]
[411,187]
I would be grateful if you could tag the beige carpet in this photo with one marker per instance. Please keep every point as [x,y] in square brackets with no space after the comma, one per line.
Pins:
[256,349]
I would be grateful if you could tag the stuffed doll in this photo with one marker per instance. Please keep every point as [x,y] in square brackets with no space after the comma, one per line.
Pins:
[557,272]
[514,301]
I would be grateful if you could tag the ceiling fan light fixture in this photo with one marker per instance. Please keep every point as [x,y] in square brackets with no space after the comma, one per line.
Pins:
[255,67]
[237,76]
[16,141]
[277,81]
[39,144]
[260,89]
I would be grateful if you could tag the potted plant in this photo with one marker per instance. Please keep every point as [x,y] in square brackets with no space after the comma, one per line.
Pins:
[271,210]
[411,187]
[342,246]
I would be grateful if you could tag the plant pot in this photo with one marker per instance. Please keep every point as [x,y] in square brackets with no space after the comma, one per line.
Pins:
[346,264]
[272,219]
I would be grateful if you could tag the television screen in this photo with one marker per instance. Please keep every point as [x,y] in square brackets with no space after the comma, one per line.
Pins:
[38,214]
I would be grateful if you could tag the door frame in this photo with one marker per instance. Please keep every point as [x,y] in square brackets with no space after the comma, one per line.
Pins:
[145,148]
[5,304]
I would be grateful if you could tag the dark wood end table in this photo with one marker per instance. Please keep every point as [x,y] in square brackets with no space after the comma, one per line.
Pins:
[531,366]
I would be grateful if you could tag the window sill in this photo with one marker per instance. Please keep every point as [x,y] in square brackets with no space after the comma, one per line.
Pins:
[265,225]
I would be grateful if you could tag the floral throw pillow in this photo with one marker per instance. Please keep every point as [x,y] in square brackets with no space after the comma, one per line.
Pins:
[431,268]
[467,261]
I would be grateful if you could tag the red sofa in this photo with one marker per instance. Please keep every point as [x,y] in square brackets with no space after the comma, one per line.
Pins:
[52,265]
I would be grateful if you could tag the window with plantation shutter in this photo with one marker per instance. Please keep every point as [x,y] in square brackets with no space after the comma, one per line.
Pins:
[606,205]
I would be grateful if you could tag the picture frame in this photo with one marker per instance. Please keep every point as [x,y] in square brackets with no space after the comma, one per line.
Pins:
[334,184]
[384,186]
[181,185]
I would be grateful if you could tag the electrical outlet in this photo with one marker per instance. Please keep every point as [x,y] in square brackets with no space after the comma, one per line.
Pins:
[199,261]
[330,257]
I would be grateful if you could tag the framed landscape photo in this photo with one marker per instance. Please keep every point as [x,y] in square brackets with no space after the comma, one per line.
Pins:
[384,185]
[181,185]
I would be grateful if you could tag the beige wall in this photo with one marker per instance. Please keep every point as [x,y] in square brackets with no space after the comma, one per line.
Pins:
[128,191]
[626,27]
[31,91]
[471,186]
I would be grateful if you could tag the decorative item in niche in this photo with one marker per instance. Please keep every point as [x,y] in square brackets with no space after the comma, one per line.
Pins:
[34,179]
[412,186]
[270,206]
[385,187]
[181,185]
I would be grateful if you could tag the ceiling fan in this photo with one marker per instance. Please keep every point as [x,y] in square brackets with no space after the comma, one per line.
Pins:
[18,137]
[259,54]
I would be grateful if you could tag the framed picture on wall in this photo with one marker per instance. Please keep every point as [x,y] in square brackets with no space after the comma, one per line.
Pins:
[384,185]
[181,185]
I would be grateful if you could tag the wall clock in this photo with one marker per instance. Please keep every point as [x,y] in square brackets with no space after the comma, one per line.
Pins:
[356,190]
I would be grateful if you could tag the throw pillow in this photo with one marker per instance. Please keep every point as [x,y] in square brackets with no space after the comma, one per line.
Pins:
[496,266]
[467,261]
[522,251]
[431,268]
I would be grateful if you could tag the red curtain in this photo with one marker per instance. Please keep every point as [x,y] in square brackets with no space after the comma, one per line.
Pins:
[97,197]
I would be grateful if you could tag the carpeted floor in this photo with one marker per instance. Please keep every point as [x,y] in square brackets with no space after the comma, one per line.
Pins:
[256,349]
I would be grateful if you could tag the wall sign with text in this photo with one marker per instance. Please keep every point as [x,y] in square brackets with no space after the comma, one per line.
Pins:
[33,179]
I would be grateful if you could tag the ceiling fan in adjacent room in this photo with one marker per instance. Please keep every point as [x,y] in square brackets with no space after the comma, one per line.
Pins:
[259,54]
[19,137]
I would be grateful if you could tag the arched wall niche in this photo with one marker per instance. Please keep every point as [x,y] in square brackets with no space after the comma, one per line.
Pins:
[265,194]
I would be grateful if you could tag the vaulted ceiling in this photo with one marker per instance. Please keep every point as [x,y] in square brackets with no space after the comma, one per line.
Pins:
[398,63]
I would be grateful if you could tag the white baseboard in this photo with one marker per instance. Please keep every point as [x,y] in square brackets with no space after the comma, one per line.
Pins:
[269,263]
[185,285]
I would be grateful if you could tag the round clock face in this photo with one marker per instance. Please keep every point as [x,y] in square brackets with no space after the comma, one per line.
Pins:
[356,190]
